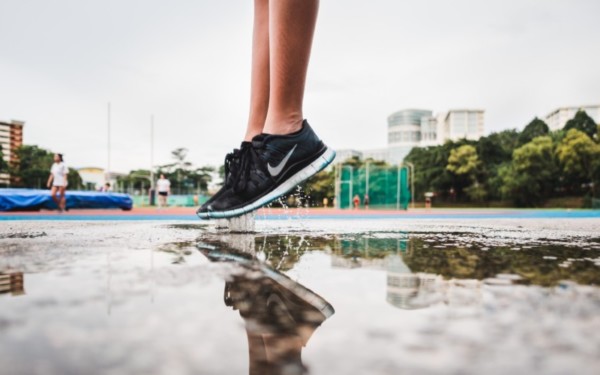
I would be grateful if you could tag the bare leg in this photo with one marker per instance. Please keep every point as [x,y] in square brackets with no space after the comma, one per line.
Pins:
[63,197]
[259,92]
[291,29]
[53,192]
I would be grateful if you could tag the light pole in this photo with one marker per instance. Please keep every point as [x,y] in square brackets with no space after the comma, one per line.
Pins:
[398,188]
[108,143]
[338,185]
[367,179]
[412,182]
[152,152]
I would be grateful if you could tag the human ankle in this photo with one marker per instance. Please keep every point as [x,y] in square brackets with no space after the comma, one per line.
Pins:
[283,126]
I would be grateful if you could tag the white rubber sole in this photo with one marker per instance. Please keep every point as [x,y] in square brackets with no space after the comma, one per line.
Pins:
[313,168]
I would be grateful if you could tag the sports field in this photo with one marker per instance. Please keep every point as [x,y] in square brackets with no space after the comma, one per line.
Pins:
[187,213]
[325,292]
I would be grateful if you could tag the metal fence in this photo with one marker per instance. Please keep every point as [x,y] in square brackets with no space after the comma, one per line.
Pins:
[379,186]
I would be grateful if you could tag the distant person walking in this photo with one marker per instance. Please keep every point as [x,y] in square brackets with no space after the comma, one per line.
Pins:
[164,188]
[356,201]
[57,182]
[366,201]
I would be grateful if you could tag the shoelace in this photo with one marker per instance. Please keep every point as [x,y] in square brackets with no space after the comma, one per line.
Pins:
[249,159]
[231,163]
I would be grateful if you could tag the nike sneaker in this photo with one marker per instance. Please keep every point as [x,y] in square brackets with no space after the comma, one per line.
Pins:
[231,165]
[270,167]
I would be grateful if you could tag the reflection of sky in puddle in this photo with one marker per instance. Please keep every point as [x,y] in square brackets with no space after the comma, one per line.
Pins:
[398,298]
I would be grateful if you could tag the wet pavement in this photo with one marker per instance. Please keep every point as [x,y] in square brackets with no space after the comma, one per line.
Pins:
[316,296]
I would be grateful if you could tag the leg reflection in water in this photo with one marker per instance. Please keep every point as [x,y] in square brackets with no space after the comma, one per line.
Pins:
[280,314]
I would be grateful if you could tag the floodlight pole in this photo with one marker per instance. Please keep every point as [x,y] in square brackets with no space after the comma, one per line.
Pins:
[152,152]
[337,185]
[367,180]
[108,142]
[398,188]
[412,182]
[351,181]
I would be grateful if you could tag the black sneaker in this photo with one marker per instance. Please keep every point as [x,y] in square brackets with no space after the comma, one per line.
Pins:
[232,166]
[272,166]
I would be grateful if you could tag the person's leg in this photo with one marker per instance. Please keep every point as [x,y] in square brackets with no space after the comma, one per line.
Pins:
[63,197]
[291,29]
[53,192]
[259,92]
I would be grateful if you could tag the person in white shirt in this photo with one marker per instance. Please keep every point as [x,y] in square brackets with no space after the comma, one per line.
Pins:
[57,181]
[164,188]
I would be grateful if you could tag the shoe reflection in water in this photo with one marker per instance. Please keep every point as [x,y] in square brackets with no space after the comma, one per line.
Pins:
[280,314]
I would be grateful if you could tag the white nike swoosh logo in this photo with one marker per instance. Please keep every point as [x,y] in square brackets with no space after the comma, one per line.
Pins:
[274,171]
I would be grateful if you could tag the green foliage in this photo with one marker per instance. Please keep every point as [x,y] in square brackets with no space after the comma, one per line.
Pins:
[497,148]
[463,160]
[530,179]
[183,175]
[431,173]
[582,122]
[33,168]
[579,158]
[74,180]
[536,128]
[321,185]
[527,167]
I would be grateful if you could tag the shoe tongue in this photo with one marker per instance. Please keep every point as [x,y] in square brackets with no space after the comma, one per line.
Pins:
[258,140]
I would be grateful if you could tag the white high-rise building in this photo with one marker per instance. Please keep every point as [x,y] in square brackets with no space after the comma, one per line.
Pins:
[462,123]
[420,128]
[557,119]
[11,138]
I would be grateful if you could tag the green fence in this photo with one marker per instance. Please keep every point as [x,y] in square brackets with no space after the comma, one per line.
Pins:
[386,187]
[172,200]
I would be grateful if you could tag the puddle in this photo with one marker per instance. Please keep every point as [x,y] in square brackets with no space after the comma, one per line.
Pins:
[372,302]
[435,255]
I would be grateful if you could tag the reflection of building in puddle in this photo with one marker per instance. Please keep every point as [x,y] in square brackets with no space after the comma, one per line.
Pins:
[12,282]
[368,252]
[405,289]
[280,314]
[408,290]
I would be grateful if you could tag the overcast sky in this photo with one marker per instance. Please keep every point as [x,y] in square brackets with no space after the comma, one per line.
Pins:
[188,63]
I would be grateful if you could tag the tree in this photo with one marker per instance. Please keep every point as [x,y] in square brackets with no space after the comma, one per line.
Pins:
[33,168]
[74,180]
[182,173]
[579,158]
[582,122]
[321,185]
[531,176]
[463,161]
[536,128]
[497,148]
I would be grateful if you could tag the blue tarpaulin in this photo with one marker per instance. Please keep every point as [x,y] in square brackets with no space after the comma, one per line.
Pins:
[29,199]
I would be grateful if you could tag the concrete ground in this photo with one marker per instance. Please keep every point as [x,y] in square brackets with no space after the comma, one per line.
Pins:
[410,294]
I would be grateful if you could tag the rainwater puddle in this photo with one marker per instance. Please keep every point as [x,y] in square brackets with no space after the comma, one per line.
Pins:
[264,303]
